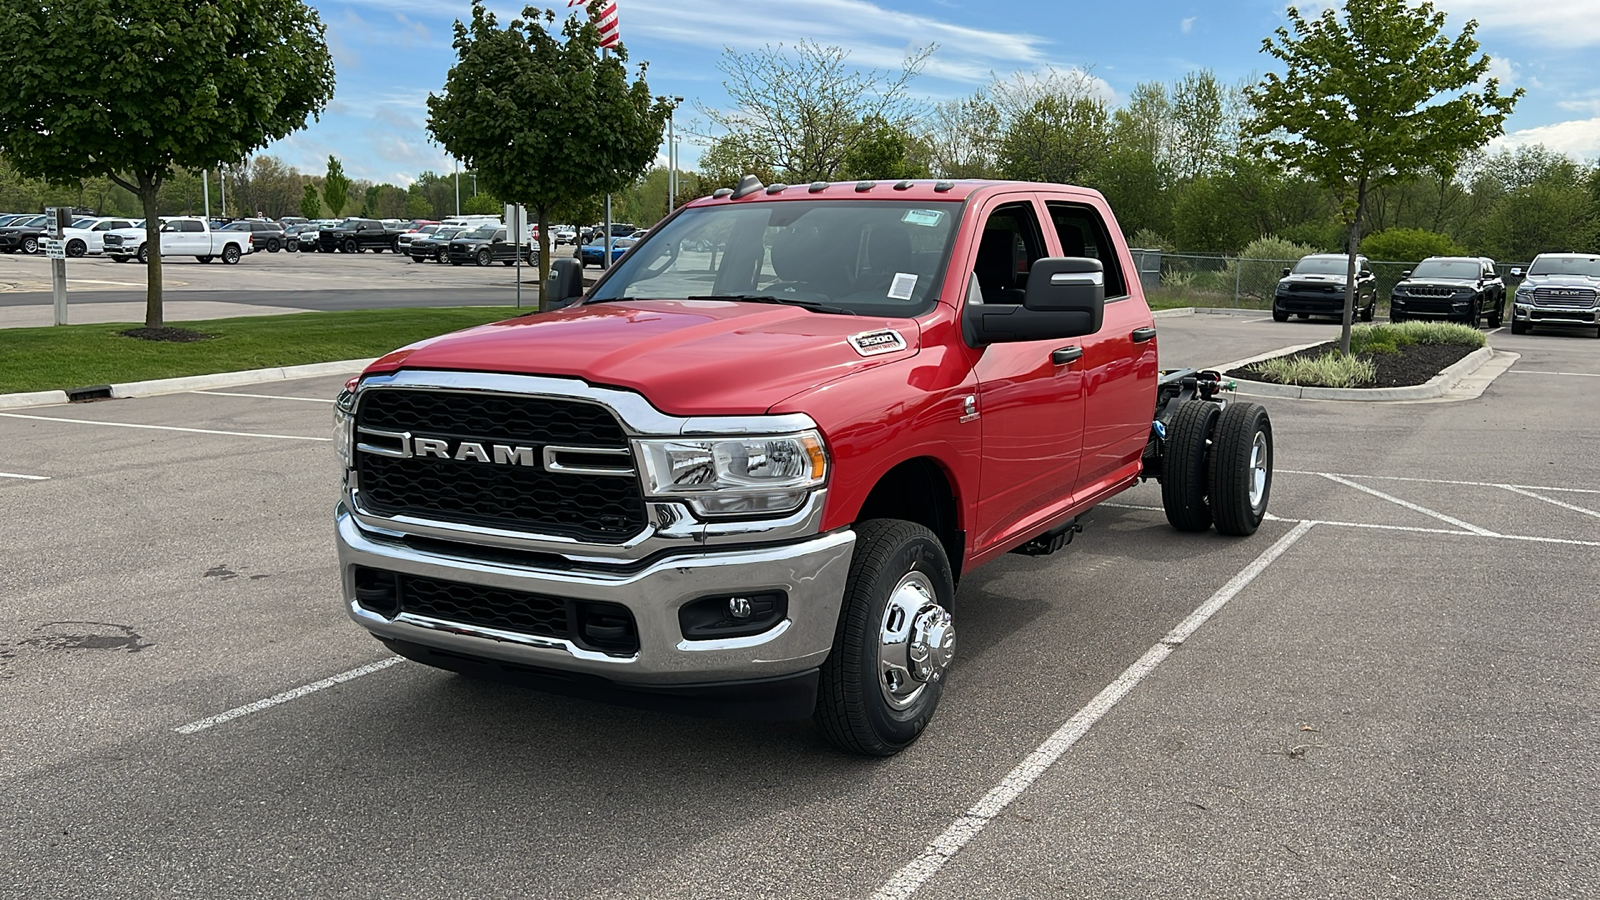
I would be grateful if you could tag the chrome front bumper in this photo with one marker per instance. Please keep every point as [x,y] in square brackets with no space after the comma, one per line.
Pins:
[1555,315]
[812,572]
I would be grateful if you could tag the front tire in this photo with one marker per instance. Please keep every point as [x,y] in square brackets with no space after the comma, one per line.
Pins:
[485,258]
[1184,474]
[30,245]
[350,246]
[1497,316]
[1279,315]
[1519,327]
[894,642]
[1241,468]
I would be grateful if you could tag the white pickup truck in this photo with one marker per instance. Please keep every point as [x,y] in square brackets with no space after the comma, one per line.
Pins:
[180,236]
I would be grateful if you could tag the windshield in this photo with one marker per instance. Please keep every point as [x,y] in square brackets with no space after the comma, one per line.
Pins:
[865,257]
[482,232]
[1448,268]
[1566,265]
[1324,265]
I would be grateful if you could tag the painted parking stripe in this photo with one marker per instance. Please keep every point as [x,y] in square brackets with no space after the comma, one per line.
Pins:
[25,477]
[276,437]
[1412,506]
[265,396]
[971,823]
[286,696]
[1493,484]
[1551,500]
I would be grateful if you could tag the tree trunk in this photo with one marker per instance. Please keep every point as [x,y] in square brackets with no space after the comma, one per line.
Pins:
[542,211]
[148,190]
[1351,269]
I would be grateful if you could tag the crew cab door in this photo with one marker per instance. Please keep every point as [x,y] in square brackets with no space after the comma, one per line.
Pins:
[1119,366]
[1030,393]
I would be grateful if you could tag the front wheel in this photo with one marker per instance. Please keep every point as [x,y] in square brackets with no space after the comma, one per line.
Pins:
[1241,468]
[30,245]
[1519,327]
[350,246]
[1396,318]
[1497,316]
[894,642]
[485,257]
[230,255]
[1184,480]
[1280,315]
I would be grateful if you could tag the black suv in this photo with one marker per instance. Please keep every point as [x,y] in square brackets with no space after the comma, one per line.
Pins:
[1315,287]
[268,236]
[26,234]
[485,245]
[357,236]
[1458,288]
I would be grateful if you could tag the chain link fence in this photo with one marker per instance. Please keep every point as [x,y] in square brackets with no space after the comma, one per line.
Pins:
[1213,280]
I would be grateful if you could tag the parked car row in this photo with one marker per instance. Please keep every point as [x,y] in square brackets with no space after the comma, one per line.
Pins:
[1556,289]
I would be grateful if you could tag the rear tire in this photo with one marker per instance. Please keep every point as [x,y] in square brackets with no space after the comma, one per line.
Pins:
[205,259]
[144,253]
[230,255]
[1371,312]
[1497,316]
[1241,468]
[1184,476]
[873,697]
[77,249]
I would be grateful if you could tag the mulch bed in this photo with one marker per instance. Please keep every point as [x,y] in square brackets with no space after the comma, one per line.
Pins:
[1409,365]
[171,335]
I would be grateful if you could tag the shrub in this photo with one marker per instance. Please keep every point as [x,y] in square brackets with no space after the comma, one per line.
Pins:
[1260,265]
[1410,245]
[1329,370]
[1388,338]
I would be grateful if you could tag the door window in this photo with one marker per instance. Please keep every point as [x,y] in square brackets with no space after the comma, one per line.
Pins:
[1010,245]
[1083,233]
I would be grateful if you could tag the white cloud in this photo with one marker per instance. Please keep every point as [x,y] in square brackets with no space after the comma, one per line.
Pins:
[1578,137]
[1187,25]
[1564,23]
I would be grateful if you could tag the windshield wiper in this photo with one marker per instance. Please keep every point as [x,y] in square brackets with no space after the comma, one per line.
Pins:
[813,305]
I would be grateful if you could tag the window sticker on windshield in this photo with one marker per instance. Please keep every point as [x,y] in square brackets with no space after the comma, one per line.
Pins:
[902,286]
[925,217]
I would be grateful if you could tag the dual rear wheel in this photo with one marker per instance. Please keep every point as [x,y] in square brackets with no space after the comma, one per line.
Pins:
[1218,467]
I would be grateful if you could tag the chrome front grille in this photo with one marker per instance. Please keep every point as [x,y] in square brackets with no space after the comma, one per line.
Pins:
[1564,298]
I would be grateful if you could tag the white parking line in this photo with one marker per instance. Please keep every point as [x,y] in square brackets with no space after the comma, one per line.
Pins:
[1493,484]
[276,437]
[286,696]
[1412,506]
[1550,500]
[265,396]
[25,477]
[970,824]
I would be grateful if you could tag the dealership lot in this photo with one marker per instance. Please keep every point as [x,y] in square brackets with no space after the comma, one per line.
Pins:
[1397,696]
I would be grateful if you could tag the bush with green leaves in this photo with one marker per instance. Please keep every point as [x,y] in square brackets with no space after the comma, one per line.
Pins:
[1260,265]
[1409,245]
[1387,338]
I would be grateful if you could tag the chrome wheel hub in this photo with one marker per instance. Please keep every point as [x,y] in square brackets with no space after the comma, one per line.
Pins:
[1258,470]
[916,642]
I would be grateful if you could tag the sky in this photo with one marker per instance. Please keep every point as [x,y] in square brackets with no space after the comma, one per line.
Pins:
[389,54]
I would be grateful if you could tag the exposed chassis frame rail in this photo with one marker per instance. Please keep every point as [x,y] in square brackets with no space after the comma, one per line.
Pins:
[1177,387]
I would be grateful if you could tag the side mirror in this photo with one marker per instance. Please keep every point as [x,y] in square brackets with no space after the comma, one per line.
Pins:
[565,284]
[1364,273]
[1285,272]
[1065,298]
[1517,272]
[1406,274]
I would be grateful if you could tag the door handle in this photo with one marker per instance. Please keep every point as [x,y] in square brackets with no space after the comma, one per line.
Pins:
[1140,335]
[1065,355]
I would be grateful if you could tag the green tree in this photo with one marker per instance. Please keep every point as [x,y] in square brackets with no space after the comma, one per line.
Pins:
[546,122]
[310,202]
[1059,138]
[335,187]
[882,151]
[192,85]
[1375,96]
[730,158]
[798,114]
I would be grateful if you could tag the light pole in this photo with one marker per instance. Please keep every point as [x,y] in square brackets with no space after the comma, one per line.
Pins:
[458,188]
[672,158]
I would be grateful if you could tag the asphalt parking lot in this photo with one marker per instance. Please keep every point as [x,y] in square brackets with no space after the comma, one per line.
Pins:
[1388,691]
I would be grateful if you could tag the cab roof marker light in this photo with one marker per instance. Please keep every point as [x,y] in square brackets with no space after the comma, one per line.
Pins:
[778,188]
[719,193]
[818,187]
[864,186]
[903,185]
[943,186]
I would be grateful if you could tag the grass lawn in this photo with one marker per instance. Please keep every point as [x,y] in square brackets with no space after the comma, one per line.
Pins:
[72,356]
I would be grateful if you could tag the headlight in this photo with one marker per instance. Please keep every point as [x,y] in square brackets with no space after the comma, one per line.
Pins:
[735,476]
[344,423]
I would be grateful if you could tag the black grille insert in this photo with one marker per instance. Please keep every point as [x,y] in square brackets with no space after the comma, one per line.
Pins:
[522,498]
[608,627]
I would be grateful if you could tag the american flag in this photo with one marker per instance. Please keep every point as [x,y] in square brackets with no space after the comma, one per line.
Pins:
[610,30]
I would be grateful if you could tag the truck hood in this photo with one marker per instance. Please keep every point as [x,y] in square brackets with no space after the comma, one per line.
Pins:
[1313,279]
[688,357]
[1560,281]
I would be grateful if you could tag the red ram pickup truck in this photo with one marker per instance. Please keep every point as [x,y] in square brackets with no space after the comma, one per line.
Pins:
[745,472]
